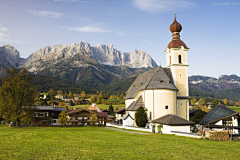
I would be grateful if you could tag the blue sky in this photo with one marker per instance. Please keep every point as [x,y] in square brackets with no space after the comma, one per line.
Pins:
[211,28]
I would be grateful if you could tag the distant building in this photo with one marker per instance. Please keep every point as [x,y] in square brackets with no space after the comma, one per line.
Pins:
[119,114]
[94,107]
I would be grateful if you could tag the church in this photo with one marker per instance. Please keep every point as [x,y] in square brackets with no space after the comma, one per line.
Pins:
[162,91]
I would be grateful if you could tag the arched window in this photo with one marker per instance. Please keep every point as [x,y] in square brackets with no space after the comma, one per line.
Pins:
[179,59]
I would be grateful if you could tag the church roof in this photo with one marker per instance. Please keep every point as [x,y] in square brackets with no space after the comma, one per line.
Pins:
[157,78]
[172,120]
[177,43]
[176,28]
[94,107]
[218,113]
[136,104]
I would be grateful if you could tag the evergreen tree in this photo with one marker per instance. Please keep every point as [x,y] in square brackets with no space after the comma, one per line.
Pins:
[214,103]
[111,110]
[17,96]
[141,117]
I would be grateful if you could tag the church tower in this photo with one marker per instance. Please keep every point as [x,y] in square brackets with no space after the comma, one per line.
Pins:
[176,56]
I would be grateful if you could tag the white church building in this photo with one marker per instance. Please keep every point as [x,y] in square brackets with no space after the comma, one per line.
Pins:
[163,92]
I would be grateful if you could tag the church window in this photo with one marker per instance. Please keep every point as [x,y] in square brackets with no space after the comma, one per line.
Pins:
[180,75]
[150,116]
[181,104]
[166,107]
[179,59]
[170,60]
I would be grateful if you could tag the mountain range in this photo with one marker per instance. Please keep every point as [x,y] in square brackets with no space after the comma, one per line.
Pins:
[103,67]
[80,63]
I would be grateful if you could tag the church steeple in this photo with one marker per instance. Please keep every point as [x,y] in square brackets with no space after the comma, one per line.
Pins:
[176,28]
[176,56]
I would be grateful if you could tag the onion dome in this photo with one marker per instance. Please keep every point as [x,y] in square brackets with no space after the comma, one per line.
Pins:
[175,26]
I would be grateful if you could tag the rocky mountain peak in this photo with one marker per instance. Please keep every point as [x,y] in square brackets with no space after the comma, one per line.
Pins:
[103,54]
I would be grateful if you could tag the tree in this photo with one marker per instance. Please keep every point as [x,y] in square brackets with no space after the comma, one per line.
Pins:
[93,99]
[17,96]
[111,110]
[141,117]
[225,101]
[70,95]
[77,102]
[98,101]
[121,96]
[201,102]
[51,93]
[214,103]
[193,101]
[100,95]
[62,118]
[102,101]
[60,92]
[83,94]
[197,116]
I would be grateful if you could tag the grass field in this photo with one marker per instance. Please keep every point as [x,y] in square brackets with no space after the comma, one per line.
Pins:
[236,109]
[102,143]
[102,106]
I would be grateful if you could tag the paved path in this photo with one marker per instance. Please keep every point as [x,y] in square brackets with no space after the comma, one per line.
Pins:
[127,131]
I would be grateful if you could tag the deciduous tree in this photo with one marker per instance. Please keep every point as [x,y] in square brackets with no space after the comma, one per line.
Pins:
[17,96]
[225,101]
[60,92]
[70,95]
[62,118]
[201,102]
[83,94]
[51,93]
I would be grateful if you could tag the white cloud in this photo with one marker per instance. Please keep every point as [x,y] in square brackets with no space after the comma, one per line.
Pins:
[4,37]
[47,14]
[162,5]
[123,34]
[91,29]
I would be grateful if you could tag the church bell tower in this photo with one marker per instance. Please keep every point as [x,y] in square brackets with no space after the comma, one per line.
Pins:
[176,55]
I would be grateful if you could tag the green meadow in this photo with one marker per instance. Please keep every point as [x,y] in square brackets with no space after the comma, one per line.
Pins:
[101,106]
[236,109]
[103,143]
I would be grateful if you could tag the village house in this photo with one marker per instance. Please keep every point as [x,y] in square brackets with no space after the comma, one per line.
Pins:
[119,114]
[84,117]
[163,91]
[45,115]
[222,118]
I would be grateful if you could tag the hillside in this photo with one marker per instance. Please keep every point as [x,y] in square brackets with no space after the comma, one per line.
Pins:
[211,84]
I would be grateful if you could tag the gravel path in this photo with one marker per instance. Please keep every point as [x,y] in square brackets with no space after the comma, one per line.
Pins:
[127,131]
